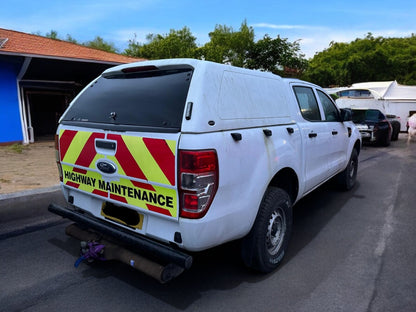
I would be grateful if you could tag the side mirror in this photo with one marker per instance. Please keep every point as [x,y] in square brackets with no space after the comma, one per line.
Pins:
[346,114]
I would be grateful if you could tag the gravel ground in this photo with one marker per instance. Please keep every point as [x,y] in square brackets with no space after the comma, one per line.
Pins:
[26,167]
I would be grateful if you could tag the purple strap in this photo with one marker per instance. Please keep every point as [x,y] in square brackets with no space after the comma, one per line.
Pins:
[93,252]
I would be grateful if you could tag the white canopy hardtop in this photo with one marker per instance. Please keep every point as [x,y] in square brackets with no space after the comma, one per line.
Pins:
[383,90]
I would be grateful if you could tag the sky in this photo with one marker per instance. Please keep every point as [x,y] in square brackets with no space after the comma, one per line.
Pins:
[314,23]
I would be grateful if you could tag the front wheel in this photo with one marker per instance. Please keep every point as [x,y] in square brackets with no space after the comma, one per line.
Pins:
[265,245]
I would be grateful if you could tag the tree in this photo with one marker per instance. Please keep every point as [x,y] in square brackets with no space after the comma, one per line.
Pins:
[278,56]
[228,46]
[176,44]
[367,59]
[239,49]
[71,39]
[99,44]
[53,34]
[225,46]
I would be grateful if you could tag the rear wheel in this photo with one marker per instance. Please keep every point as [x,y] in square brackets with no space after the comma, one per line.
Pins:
[395,131]
[264,247]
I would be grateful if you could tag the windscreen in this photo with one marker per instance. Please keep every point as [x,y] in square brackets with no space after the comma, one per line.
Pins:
[361,116]
[151,99]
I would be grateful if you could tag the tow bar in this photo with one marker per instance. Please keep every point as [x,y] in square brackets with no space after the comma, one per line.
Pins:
[102,241]
[110,251]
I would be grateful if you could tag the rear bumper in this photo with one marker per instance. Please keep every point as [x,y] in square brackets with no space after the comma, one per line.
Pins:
[140,244]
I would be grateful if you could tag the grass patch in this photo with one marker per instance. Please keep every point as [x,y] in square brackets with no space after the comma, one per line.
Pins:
[18,148]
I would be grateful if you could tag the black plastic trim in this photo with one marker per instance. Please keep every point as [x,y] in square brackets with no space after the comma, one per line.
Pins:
[140,243]
[110,145]
[236,136]
[121,128]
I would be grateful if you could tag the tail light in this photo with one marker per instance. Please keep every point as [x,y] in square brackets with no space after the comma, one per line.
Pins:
[58,163]
[198,182]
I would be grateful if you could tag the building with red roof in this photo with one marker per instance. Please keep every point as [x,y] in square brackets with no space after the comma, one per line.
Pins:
[39,76]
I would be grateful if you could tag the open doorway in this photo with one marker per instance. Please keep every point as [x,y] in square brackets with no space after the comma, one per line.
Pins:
[44,108]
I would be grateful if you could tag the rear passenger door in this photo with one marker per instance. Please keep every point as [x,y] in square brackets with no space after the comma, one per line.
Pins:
[315,136]
[338,134]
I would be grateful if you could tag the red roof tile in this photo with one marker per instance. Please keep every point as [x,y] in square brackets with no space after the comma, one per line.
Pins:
[27,44]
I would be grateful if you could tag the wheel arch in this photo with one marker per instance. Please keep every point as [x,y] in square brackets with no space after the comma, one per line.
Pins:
[287,179]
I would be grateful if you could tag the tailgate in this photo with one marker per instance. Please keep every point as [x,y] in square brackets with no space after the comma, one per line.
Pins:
[127,169]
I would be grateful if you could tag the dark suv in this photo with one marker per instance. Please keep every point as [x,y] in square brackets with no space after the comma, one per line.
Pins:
[373,126]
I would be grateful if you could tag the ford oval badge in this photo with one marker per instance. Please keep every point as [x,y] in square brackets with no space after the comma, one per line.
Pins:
[106,167]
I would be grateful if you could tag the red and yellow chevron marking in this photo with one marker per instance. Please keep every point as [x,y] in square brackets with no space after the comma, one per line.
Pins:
[147,159]
[78,147]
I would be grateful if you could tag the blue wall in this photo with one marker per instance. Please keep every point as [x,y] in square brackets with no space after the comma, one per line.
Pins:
[10,126]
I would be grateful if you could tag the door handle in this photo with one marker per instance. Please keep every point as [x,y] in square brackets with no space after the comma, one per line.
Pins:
[334,132]
[313,135]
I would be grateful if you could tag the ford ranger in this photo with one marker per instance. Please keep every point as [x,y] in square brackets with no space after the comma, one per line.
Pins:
[182,155]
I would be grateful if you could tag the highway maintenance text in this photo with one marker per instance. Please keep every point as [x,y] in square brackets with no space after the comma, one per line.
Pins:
[121,190]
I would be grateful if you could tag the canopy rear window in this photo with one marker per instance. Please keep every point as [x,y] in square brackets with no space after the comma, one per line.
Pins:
[149,98]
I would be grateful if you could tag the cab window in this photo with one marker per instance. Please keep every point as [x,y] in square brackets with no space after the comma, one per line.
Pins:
[330,110]
[307,103]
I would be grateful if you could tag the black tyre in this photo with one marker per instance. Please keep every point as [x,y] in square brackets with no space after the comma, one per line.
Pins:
[264,247]
[386,140]
[395,131]
[348,177]
[393,135]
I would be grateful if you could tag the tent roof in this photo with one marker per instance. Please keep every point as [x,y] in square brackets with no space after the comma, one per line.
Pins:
[387,90]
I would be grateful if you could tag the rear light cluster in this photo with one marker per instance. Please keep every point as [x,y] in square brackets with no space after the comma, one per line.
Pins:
[198,182]
[58,163]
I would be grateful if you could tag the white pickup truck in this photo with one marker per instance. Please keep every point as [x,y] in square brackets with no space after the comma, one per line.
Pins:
[182,155]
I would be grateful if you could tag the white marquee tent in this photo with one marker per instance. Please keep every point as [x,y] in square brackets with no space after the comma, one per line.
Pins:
[388,96]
